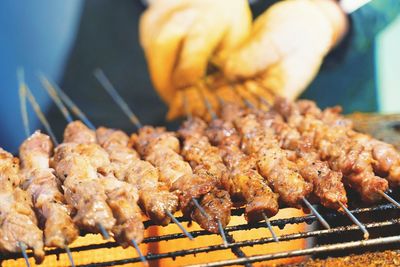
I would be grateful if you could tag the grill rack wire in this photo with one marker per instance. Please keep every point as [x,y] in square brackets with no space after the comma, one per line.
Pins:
[236,246]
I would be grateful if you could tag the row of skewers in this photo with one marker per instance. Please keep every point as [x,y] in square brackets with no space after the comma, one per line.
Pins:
[99,180]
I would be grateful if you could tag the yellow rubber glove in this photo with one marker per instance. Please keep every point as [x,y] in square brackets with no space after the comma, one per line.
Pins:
[180,37]
[287,45]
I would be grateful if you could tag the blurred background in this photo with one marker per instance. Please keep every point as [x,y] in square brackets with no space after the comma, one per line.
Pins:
[67,40]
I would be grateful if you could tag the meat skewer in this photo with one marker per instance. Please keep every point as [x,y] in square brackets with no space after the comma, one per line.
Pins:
[244,181]
[342,206]
[349,155]
[18,224]
[230,112]
[42,184]
[161,149]
[120,196]
[158,203]
[348,213]
[386,159]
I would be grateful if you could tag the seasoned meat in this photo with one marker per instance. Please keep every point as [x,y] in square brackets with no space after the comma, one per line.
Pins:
[154,196]
[245,184]
[18,223]
[44,187]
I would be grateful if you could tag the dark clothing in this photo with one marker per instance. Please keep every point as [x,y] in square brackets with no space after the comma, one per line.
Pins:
[108,38]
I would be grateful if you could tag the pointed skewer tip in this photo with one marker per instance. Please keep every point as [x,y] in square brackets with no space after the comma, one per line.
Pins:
[222,233]
[355,220]
[139,252]
[317,214]
[24,254]
[178,223]
[69,254]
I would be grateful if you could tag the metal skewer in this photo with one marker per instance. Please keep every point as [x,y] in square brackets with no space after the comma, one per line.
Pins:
[107,85]
[23,251]
[306,202]
[214,116]
[103,231]
[23,95]
[205,214]
[175,220]
[355,220]
[50,88]
[22,100]
[142,258]
[390,199]
[316,213]
[274,236]
[71,259]
[24,89]
[68,102]
[58,97]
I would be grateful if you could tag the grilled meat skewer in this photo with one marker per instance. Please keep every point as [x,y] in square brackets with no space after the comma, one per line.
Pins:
[327,184]
[154,196]
[386,161]
[120,196]
[41,183]
[81,185]
[206,160]
[18,223]
[343,154]
[162,148]
[282,174]
[244,183]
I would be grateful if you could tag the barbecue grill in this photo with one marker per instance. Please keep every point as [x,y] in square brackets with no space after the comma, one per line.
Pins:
[342,239]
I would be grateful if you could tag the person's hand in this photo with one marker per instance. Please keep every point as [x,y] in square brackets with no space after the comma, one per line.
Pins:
[287,45]
[181,37]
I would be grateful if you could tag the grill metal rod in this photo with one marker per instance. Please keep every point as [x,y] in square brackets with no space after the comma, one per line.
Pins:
[302,252]
[278,222]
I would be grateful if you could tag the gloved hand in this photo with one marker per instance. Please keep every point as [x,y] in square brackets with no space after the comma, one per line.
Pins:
[287,45]
[181,37]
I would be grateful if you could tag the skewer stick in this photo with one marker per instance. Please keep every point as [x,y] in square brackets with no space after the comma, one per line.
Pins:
[316,213]
[103,231]
[179,224]
[23,94]
[209,107]
[22,100]
[71,259]
[139,252]
[40,114]
[260,98]
[306,202]
[244,100]
[390,199]
[23,250]
[74,108]
[200,208]
[205,214]
[355,220]
[274,236]
[196,203]
[207,103]
[222,231]
[107,85]
[50,88]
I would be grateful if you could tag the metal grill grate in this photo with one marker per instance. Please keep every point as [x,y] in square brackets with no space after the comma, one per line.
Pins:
[378,226]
